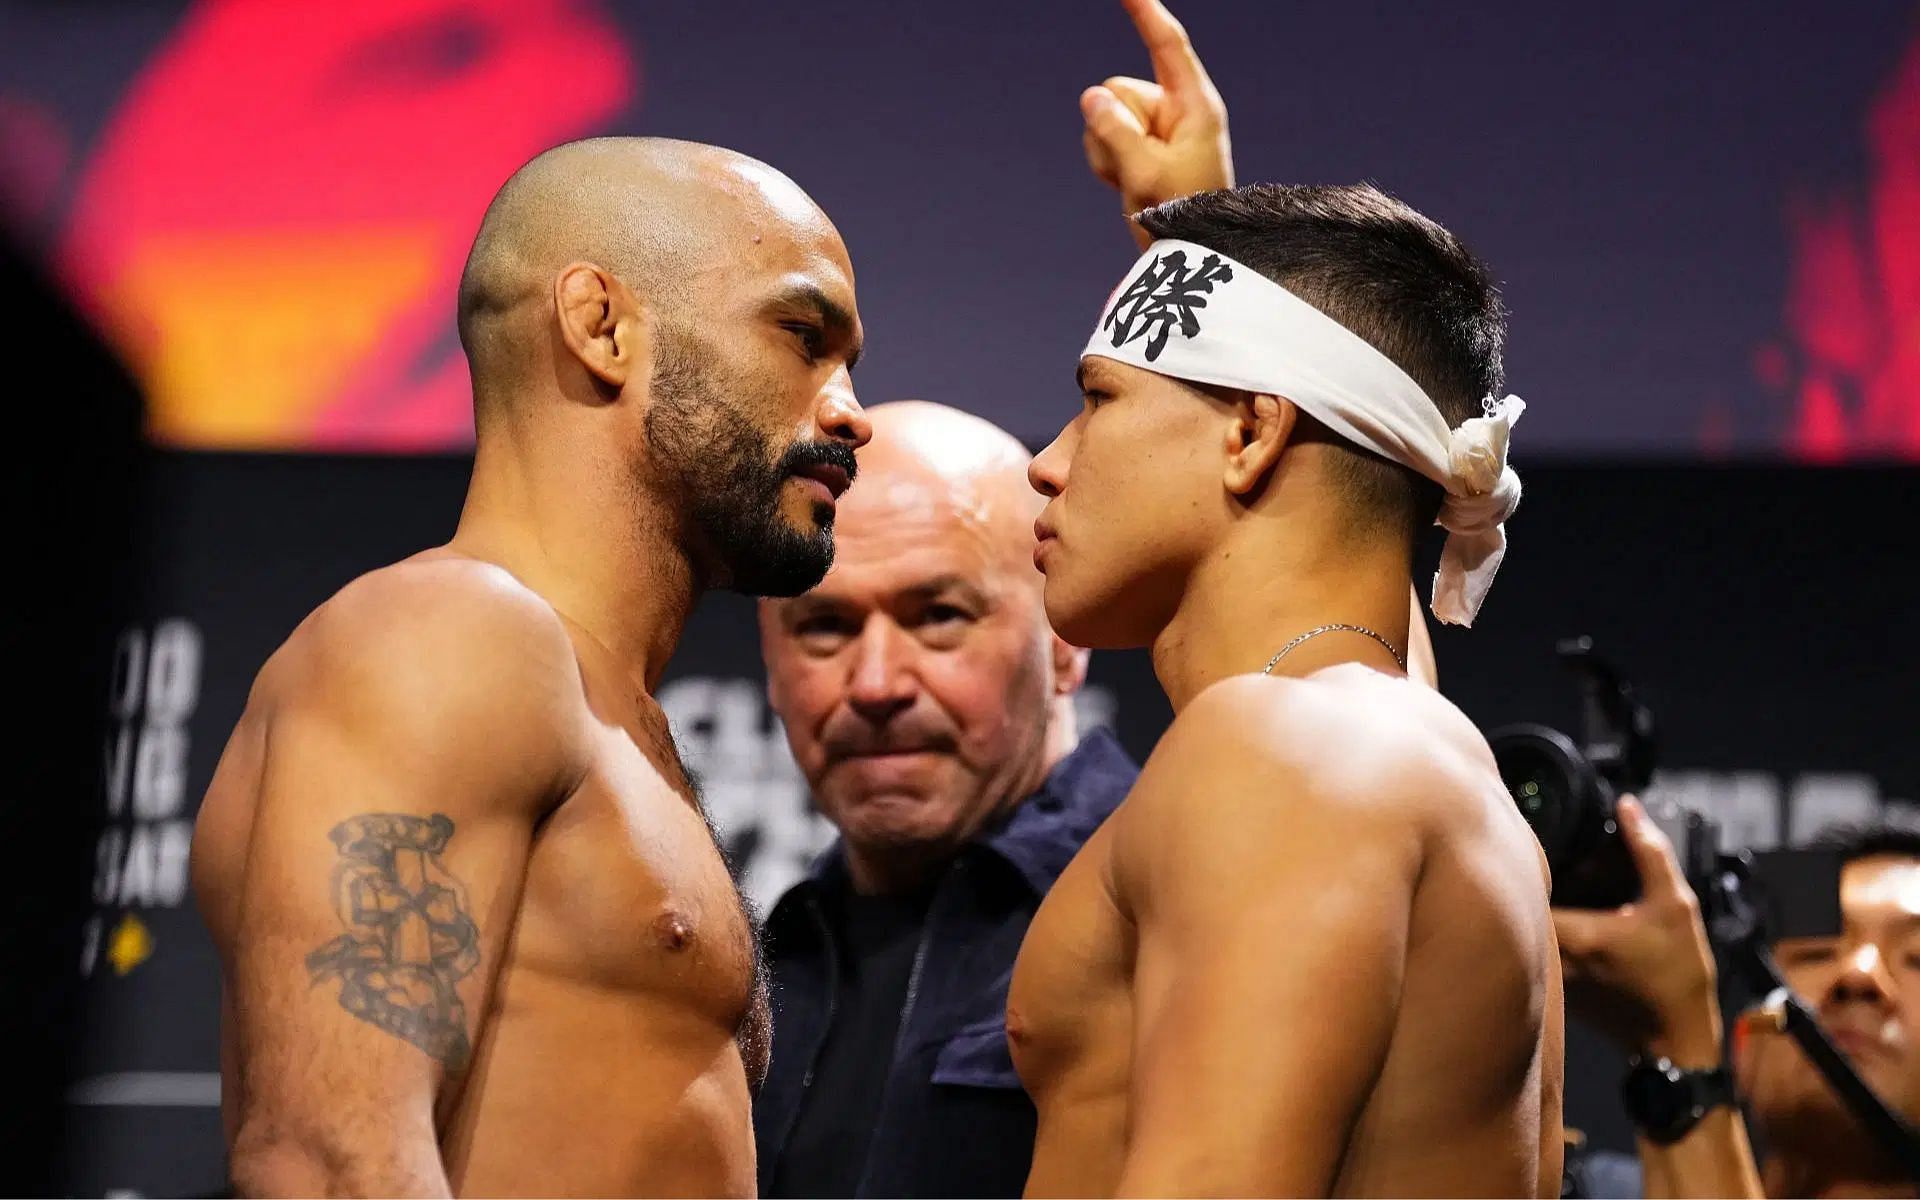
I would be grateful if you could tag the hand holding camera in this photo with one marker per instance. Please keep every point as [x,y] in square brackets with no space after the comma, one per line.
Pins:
[1643,973]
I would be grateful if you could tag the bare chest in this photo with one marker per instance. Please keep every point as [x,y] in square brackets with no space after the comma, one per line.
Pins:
[1069,1009]
[626,889]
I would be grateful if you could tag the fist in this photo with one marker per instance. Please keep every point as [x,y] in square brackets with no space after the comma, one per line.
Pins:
[1159,140]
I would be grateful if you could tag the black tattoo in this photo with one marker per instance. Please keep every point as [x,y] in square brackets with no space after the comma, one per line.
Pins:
[409,939]
[1164,294]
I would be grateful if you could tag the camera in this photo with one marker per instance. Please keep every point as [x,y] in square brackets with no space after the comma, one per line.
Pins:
[1567,790]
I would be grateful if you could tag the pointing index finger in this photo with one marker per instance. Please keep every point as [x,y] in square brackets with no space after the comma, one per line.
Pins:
[1175,65]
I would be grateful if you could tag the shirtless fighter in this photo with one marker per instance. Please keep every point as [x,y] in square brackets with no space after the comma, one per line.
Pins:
[475,931]
[1310,953]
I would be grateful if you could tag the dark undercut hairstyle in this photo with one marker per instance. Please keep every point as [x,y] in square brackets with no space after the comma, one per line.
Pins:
[1395,278]
[1868,839]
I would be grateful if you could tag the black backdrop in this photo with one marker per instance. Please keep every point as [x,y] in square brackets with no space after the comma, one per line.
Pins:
[1767,613]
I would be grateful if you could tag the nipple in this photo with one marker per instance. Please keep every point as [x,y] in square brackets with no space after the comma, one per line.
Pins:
[673,931]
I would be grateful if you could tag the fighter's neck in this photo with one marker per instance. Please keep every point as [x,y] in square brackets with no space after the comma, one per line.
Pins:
[580,535]
[1249,598]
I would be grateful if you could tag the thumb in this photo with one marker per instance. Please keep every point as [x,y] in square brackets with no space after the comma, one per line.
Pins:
[1110,120]
[1653,853]
[1583,933]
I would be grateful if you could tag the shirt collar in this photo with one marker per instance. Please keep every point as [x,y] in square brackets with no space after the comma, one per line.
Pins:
[1040,837]
[1043,833]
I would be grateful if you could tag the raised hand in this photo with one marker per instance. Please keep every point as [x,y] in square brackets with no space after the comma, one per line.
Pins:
[1159,140]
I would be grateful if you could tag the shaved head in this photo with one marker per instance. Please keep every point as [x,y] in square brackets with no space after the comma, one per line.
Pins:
[921,690]
[657,213]
[929,456]
[679,321]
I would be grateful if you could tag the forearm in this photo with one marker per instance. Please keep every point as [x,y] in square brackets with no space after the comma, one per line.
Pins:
[272,1161]
[1715,1157]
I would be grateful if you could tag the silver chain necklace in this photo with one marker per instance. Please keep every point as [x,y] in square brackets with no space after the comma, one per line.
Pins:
[1337,626]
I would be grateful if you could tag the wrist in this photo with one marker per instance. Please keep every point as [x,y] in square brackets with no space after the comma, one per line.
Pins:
[1667,1101]
[1691,1042]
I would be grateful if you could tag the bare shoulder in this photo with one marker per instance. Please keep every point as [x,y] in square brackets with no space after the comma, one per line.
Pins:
[428,612]
[1347,738]
[1259,769]
[442,648]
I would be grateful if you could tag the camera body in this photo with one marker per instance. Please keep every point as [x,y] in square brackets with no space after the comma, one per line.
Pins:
[1568,791]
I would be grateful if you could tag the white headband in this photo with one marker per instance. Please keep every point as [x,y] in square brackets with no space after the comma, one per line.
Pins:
[1190,313]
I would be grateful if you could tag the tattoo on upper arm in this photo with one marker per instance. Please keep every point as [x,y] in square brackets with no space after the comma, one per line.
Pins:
[409,939]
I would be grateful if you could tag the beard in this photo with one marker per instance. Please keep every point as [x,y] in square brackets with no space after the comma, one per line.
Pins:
[731,477]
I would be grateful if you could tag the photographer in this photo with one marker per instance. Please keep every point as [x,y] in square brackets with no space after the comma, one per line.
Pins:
[1864,984]
[1644,975]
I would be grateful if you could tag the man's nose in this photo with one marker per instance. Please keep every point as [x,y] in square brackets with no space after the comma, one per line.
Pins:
[1864,977]
[882,683]
[1047,473]
[841,416]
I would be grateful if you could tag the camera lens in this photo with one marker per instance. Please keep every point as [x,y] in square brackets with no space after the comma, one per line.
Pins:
[1538,779]
[1556,790]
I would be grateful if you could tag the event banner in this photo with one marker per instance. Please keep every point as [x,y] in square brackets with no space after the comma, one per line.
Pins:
[1705,217]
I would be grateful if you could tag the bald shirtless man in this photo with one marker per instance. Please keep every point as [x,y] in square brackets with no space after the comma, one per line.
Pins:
[1310,953]
[475,932]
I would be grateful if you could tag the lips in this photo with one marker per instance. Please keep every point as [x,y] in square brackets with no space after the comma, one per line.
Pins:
[1854,1043]
[884,750]
[1043,540]
[834,479]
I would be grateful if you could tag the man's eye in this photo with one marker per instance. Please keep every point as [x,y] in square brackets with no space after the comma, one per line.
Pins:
[818,629]
[943,626]
[1095,398]
[812,340]
[1806,956]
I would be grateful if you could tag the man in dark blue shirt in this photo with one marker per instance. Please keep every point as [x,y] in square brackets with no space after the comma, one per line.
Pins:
[930,707]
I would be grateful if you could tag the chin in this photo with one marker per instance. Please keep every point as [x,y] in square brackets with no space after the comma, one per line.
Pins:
[1098,622]
[1890,1080]
[896,821]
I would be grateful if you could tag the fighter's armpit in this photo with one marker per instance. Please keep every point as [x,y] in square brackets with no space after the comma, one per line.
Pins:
[408,939]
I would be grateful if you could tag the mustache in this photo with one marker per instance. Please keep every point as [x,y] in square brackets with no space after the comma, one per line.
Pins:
[851,736]
[802,455]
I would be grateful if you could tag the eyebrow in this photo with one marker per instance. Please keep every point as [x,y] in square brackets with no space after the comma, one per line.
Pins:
[807,603]
[814,602]
[1091,374]
[832,314]
[948,583]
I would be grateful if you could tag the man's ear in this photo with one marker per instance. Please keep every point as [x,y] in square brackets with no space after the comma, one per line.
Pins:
[1069,665]
[601,322]
[1259,431]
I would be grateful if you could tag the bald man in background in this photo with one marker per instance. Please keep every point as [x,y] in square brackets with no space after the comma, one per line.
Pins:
[475,933]
[930,707]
